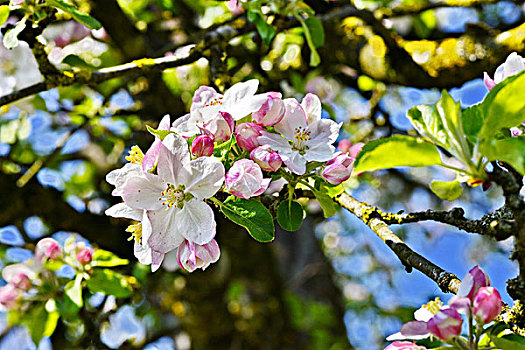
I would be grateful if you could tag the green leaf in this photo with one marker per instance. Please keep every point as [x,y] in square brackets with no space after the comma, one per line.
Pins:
[161,134]
[78,15]
[449,191]
[290,215]
[472,122]
[251,215]
[103,258]
[109,282]
[315,27]
[395,151]
[427,122]
[11,37]
[73,290]
[315,59]
[511,150]
[35,320]
[327,204]
[508,342]
[75,61]
[4,13]
[51,324]
[265,30]
[503,107]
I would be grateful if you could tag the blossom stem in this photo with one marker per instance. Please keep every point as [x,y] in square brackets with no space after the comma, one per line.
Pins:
[459,170]
[470,329]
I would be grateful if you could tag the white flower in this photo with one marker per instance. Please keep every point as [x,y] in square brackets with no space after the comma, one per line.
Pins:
[303,135]
[238,101]
[174,198]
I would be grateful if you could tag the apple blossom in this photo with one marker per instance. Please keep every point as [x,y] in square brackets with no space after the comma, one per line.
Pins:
[191,256]
[246,135]
[404,345]
[47,248]
[303,136]
[84,255]
[271,112]
[174,199]
[202,146]
[338,169]
[473,280]
[245,179]
[445,324]
[266,158]
[512,66]
[418,329]
[238,101]
[9,296]
[19,275]
[487,304]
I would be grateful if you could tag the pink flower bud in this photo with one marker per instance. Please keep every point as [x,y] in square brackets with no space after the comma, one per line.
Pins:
[245,179]
[266,158]
[191,256]
[246,135]
[338,169]
[202,146]
[404,345]
[487,304]
[19,275]
[445,324]
[489,83]
[355,149]
[344,145]
[271,112]
[221,126]
[47,248]
[473,280]
[9,295]
[85,255]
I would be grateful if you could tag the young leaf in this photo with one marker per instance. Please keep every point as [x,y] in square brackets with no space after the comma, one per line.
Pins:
[265,30]
[315,26]
[395,151]
[109,282]
[508,342]
[35,320]
[427,122]
[161,134]
[11,37]
[503,107]
[75,61]
[78,15]
[290,215]
[251,215]
[511,150]
[327,204]
[103,258]
[4,13]
[449,191]
[472,122]
[73,291]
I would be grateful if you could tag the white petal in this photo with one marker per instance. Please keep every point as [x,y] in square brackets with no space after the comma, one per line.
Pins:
[240,91]
[323,131]
[185,126]
[203,178]
[122,210]
[294,117]
[118,177]
[320,153]
[164,123]
[142,253]
[423,314]
[10,271]
[276,142]
[513,65]
[296,163]
[147,228]
[156,260]
[196,222]
[143,192]
[245,107]
[312,106]
[173,157]
[165,235]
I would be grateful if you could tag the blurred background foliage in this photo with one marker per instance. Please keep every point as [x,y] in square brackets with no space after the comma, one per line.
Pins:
[329,285]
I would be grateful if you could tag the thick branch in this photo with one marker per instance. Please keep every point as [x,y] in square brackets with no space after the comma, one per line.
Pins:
[448,282]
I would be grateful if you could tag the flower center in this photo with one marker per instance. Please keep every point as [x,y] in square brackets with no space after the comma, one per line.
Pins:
[136,232]
[135,155]
[214,102]
[302,135]
[434,305]
[174,197]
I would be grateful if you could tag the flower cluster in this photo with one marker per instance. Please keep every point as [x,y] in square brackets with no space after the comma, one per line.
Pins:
[235,143]
[475,298]
[23,278]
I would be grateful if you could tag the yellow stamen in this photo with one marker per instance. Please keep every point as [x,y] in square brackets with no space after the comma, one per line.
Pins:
[135,155]
[136,232]
[434,306]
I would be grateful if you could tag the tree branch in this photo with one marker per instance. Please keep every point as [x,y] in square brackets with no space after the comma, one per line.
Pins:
[448,282]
